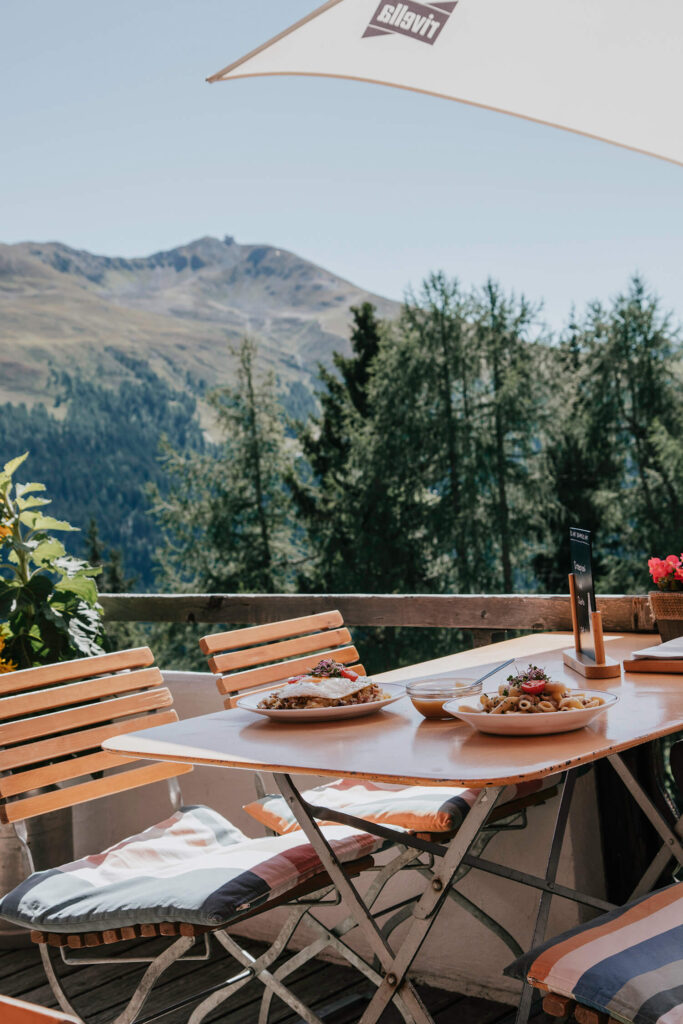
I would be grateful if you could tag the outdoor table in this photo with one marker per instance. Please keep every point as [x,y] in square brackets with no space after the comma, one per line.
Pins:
[399,746]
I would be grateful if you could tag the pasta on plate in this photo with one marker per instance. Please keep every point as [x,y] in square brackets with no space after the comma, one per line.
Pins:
[533,693]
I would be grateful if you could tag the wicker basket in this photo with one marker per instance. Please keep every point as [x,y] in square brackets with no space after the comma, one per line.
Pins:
[667,609]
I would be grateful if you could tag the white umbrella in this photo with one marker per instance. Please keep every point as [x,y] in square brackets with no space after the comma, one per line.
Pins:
[610,69]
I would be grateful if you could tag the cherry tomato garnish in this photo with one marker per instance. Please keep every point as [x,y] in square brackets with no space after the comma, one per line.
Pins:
[348,673]
[534,687]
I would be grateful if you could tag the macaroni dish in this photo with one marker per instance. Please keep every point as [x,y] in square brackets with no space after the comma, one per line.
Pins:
[533,693]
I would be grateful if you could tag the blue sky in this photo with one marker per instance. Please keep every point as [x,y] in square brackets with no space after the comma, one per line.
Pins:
[112,141]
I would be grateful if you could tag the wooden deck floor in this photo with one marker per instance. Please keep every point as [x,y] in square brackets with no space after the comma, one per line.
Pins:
[338,994]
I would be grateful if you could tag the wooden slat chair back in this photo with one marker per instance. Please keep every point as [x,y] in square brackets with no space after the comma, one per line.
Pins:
[259,658]
[16,1011]
[54,718]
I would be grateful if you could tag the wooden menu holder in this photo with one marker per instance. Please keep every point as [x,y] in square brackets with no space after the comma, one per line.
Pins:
[600,667]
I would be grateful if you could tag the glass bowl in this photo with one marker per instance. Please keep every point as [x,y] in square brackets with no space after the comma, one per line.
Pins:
[430,695]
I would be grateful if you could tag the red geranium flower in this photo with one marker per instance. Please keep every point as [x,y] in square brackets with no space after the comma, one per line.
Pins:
[667,572]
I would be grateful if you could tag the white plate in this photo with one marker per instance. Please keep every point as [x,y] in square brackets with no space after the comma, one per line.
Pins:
[250,702]
[531,725]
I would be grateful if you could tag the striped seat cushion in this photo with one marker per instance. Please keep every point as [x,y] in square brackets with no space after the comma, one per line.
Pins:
[195,867]
[415,808]
[627,963]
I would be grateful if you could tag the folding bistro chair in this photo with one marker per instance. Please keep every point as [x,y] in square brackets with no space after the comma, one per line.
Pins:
[16,1011]
[625,967]
[259,659]
[241,667]
[186,878]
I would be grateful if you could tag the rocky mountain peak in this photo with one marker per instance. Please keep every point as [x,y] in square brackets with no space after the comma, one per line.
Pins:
[178,308]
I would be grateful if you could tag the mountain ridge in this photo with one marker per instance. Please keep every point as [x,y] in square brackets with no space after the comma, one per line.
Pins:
[180,309]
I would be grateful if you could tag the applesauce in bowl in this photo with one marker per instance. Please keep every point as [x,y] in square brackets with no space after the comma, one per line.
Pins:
[430,695]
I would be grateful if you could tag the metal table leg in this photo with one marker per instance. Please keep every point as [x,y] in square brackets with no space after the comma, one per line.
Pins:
[427,908]
[395,966]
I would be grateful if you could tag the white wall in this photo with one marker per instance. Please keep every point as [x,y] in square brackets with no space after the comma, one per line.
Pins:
[460,953]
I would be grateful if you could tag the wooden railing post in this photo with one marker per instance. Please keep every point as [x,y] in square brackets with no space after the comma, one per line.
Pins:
[482,637]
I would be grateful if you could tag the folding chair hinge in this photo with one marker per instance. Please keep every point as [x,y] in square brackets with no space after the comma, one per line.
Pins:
[434,904]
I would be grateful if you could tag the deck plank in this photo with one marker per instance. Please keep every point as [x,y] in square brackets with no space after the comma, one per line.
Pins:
[337,993]
[13,960]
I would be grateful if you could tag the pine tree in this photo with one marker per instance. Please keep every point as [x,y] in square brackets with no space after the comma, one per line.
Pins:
[114,579]
[440,321]
[226,516]
[633,409]
[326,494]
[94,550]
[575,471]
[614,441]
[399,470]
[117,635]
[511,400]
[368,502]
[424,485]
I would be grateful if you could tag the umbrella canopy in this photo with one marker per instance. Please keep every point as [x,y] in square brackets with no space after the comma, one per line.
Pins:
[609,69]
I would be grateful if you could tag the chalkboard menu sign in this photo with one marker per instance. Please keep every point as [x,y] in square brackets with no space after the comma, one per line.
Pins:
[581,566]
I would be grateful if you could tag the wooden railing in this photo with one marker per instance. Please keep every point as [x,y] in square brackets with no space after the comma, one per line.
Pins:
[482,614]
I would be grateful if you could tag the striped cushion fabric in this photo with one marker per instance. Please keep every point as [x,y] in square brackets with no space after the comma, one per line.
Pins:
[195,867]
[415,808]
[628,963]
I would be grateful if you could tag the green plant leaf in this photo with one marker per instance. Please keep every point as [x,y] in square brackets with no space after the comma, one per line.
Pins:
[37,521]
[84,640]
[29,488]
[14,464]
[80,585]
[54,614]
[31,502]
[50,608]
[73,566]
[7,599]
[40,586]
[48,550]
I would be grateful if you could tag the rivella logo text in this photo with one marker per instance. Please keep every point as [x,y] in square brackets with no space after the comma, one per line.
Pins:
[423,22]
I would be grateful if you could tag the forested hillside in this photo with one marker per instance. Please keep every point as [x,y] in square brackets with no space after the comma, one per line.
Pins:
[453,450]
[450,451]
[98,452]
